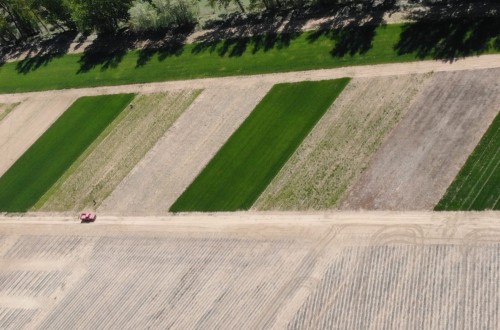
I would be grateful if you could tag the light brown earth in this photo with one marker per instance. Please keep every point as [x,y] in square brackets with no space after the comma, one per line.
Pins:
[340,146]
[175,161]
[424,153]
[116,151]
[6,108]
[22,127]
[377,270]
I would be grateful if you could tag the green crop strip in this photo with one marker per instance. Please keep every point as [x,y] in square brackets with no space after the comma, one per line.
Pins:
[253,55]
[255,153]
[477,185]
[52,154]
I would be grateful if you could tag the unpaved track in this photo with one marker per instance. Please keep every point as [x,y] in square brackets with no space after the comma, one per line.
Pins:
[378,270]
[175,161]
[340,146]
[29,120]
[470,63]
[424,153]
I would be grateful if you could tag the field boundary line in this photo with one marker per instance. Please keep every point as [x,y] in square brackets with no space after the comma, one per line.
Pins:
[376,70]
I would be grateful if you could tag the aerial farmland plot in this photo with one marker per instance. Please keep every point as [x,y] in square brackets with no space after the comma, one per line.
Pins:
[340,146]
[423,154]
[386,270]
[104,164]
[184,150]
[51,155]
[477,185]
[254,154]
[26,123]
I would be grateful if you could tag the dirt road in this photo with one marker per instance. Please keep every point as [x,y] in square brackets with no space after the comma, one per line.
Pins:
[378,270]
[470,63]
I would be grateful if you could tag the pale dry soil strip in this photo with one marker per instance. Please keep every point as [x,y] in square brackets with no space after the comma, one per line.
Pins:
[116,151]
[175,161]
[340,146]
[6,108]
[22,127]
[348,270]
[425,151]
[469,63]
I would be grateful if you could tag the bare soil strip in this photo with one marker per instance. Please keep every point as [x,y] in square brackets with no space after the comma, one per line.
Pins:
[6,108]
[175,161]
[341,144]
[115,153]
[424,153]
[27,123]
[351,270]
[469,63]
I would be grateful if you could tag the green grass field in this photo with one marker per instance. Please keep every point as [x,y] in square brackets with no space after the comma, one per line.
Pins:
[477,185]
[51,155]
[273,53]
[255,153]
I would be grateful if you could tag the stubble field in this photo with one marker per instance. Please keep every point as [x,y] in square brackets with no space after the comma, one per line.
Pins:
[256,271]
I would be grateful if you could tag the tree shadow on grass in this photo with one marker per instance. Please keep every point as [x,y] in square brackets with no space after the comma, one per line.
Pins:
[353,28]
[451,32]
[263,31]
[107,51]
[39,52]
[165,44]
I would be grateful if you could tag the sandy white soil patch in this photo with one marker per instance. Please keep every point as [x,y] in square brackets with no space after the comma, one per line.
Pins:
[340,270]
[424,153]
[175,161]
[31,118]
[116,151]
[6,108]
[341,144]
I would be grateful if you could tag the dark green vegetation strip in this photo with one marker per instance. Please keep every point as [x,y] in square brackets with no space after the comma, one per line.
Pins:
[477,185]
[51,155]
[254,154]
[254,55]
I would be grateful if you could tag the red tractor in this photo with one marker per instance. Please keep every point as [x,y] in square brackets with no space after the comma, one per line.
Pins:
[88,217]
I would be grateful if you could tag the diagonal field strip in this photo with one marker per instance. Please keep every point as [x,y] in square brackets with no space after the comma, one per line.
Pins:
[177,158]
[477,185]
[51,155]
[254,154]
[29,120]
[116,151]
[340,146]
[429,146]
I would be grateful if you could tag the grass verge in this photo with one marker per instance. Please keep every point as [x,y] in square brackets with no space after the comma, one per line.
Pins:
[245,56]
[255,153]
[54,152]
[476,186]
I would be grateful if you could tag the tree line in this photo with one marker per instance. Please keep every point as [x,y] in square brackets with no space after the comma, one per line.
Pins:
[21,19]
